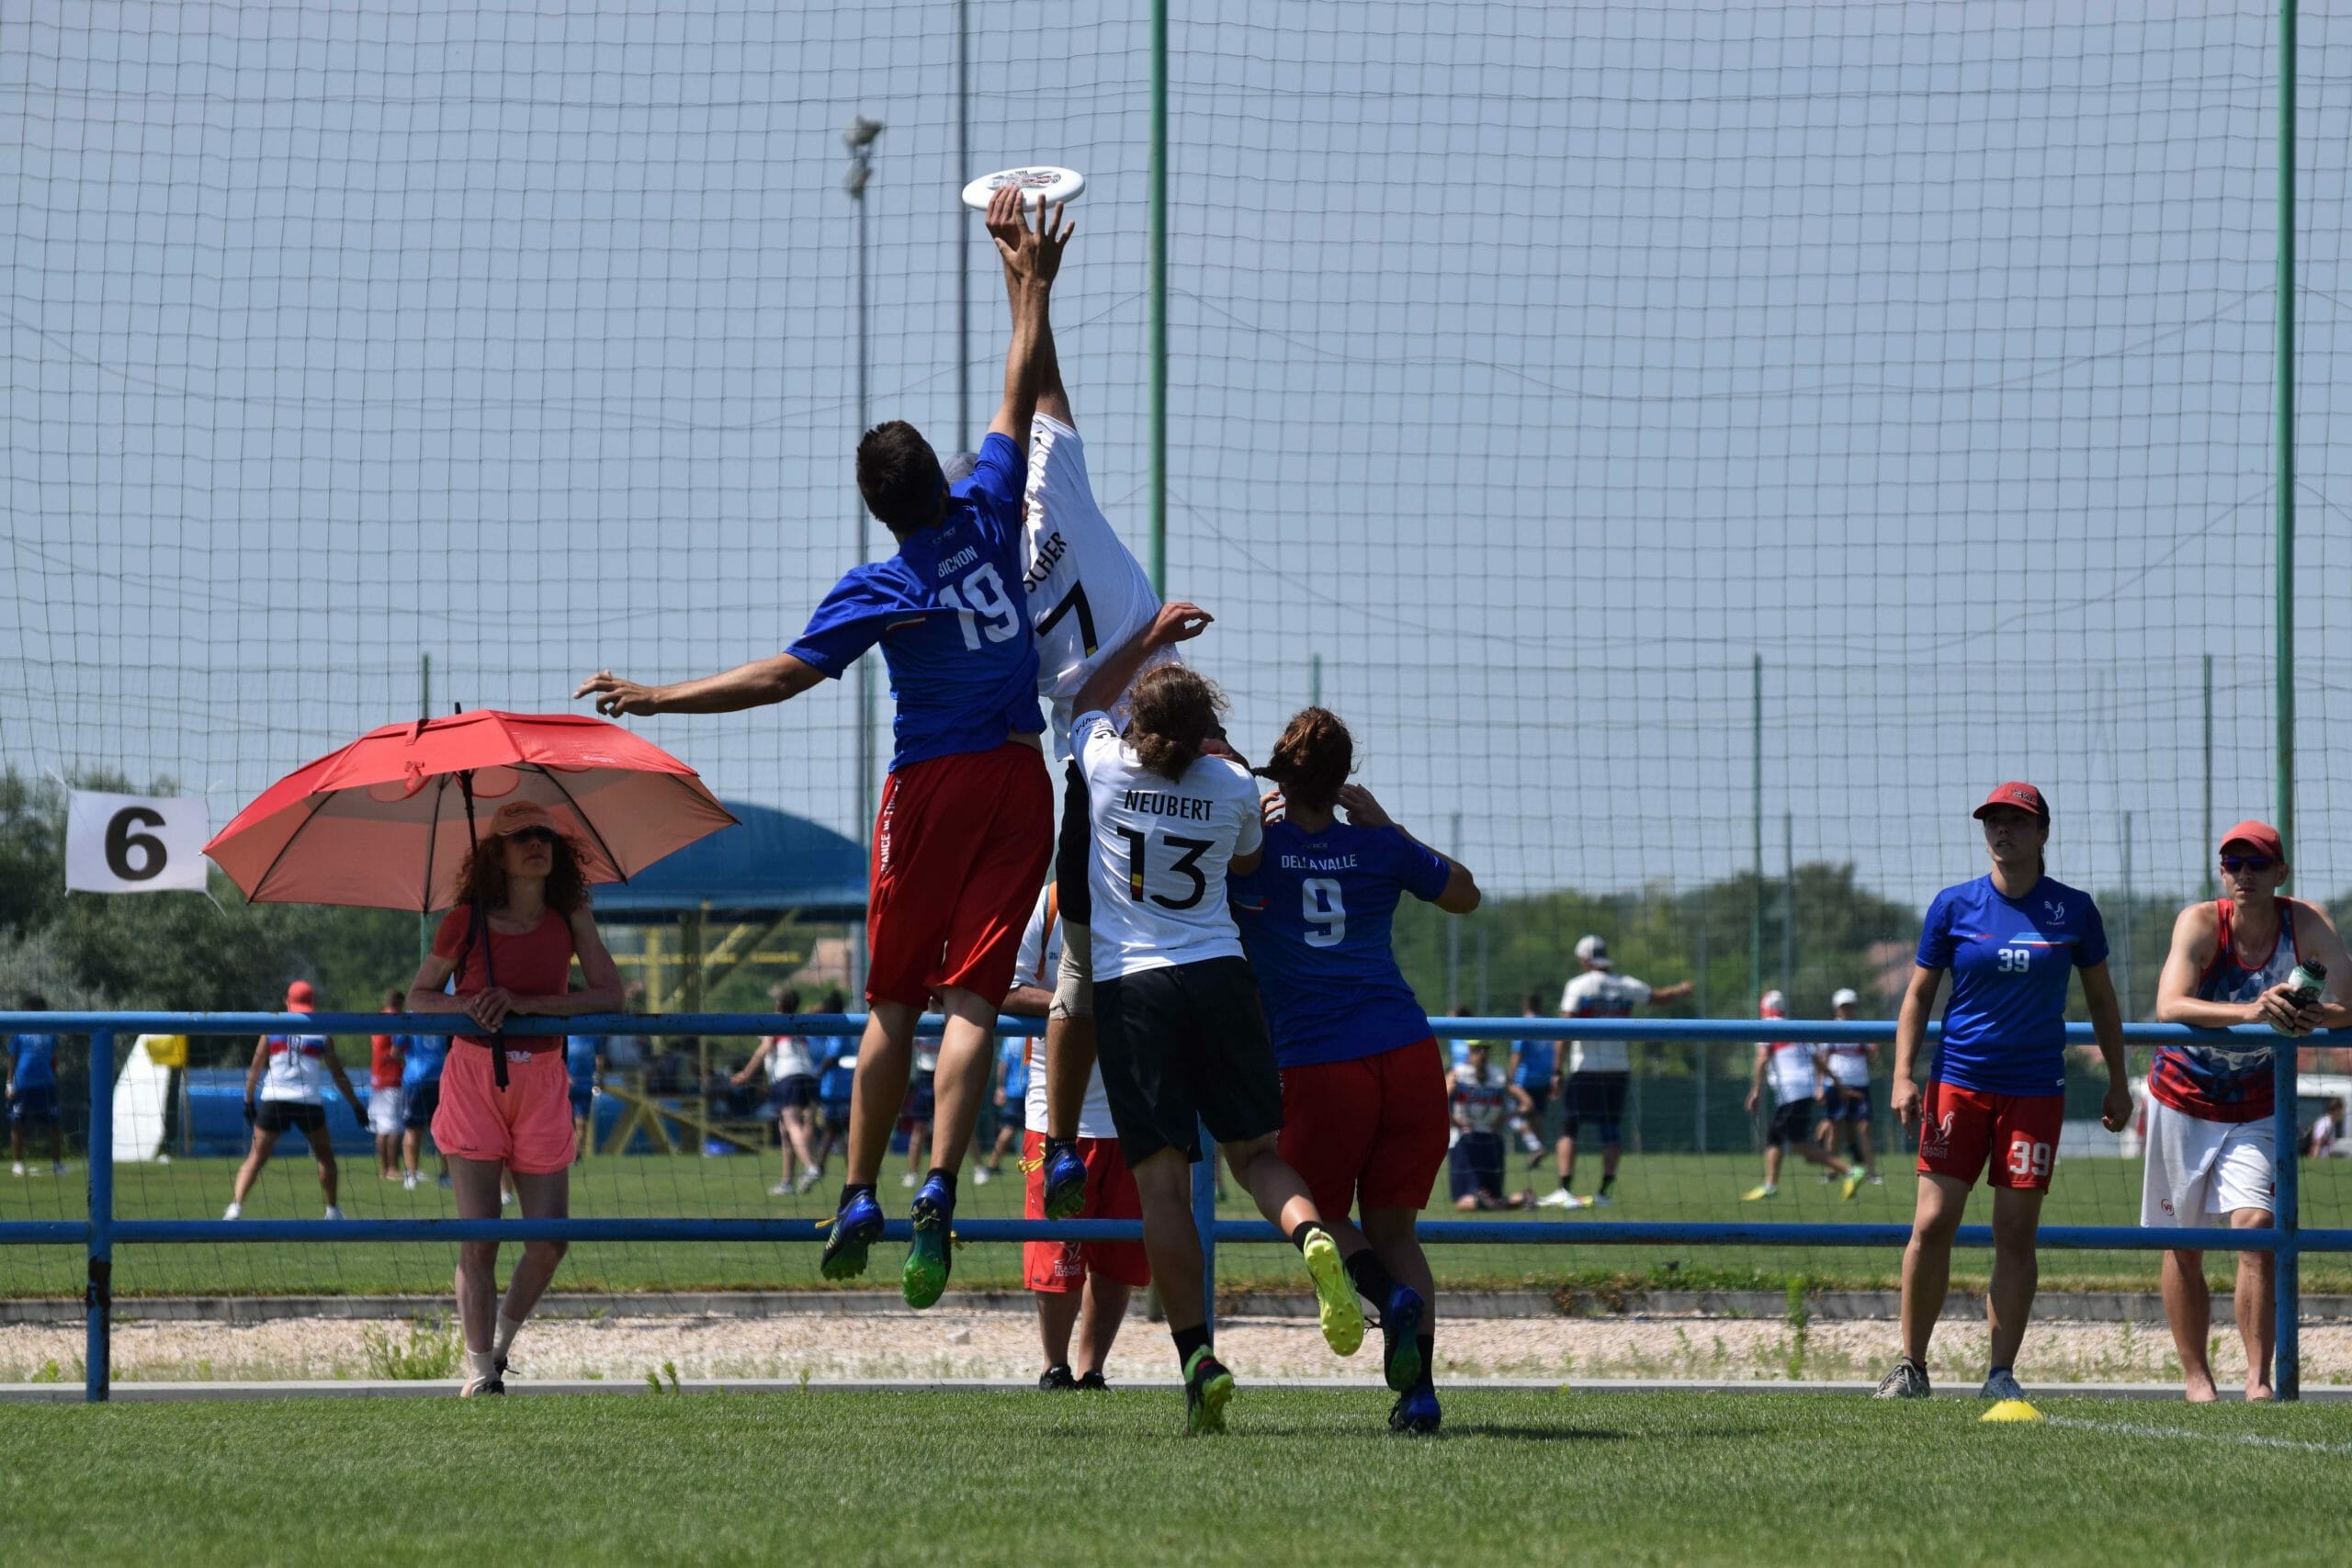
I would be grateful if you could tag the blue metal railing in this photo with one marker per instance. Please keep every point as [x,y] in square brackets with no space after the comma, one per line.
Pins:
[102,1230]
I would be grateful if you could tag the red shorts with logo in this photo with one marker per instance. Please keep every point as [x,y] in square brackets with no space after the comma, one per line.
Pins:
[960,849]
[1058,1266]
[1369,1132]
[1959,1129]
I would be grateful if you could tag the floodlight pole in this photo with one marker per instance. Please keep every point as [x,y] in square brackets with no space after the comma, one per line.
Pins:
[1159,290]
[2287,1375]
[859,137]
[963,230]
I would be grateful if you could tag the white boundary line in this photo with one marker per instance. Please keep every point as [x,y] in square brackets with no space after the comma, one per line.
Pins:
[2246,1440]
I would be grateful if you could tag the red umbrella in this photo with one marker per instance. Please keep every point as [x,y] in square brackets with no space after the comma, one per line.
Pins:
[386,822]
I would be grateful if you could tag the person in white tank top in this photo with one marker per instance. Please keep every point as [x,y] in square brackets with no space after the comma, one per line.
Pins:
[286,1090]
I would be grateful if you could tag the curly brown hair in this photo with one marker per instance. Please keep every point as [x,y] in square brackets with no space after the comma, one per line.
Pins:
[1174,709]
[1312,759]
[483,879]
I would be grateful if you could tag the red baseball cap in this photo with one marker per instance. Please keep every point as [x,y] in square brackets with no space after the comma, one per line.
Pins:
[2261,837]
[2023,796]
[299,997]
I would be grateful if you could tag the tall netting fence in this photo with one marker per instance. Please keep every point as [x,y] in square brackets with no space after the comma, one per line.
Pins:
[1699,448]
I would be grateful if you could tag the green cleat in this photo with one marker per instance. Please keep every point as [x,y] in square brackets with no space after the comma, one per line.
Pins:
[1208,1387]
[925,1277]
[1334,1295]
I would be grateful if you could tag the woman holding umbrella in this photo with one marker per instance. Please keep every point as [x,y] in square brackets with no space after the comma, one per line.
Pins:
[522,917]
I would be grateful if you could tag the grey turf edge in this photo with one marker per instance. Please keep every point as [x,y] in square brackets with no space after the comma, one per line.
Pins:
[175,1392]
[1825,1306]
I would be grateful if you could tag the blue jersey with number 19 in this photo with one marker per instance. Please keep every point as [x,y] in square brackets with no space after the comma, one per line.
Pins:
[1315,920]
[949,612]
[2005,1029]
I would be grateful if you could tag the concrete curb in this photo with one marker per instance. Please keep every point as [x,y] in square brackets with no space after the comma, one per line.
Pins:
[1825,1306]
[175,1392]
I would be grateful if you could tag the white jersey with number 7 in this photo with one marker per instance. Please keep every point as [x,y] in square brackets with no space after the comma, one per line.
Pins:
[1160,851]
[1087,594]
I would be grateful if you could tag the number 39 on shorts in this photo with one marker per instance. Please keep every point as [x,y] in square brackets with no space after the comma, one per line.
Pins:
[2029,1161]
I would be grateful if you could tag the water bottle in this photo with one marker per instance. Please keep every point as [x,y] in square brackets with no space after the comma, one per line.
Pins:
[2308,976]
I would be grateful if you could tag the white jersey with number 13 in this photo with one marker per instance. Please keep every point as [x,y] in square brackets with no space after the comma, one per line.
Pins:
[1160,851]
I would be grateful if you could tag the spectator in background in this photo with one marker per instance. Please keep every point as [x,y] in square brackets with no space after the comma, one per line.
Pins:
[1011,1093]
[422,1057]
[1600,1071]
[915,1112]
[584,1068]
[836,1084]
[792,1094]
[1795,1072]
[1846,1091]
[2212,1153]
[292,1072]
[630,1053]
[1481,1101]
[33,1092]
[384,1107]
[1082,1287]
[2326,1136]
[1534,1070]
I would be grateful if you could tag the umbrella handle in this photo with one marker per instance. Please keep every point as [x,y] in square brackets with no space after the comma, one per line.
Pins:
[480,926]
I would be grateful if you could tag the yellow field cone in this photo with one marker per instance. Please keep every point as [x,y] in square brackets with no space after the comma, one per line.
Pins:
[2012,1410]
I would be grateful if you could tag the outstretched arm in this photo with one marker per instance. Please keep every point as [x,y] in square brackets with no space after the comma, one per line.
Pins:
[1052,397]
[756,684]
[1032,258]
[1175,623]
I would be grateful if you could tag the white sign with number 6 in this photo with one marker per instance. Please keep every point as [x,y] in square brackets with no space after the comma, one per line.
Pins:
[135,843]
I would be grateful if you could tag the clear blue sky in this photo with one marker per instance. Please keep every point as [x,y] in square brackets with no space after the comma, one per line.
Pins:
[1535,366]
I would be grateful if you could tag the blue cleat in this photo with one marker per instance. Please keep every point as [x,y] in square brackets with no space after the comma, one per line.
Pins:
[1065,1182]
[855,1228]
[925,1277]
[1400,1329]
[1416,1415]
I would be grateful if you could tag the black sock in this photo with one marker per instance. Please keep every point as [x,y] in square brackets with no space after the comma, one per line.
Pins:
[1299,1233]
[1428,1342]
[946,1178]
[1189,1340]
[1370,1277]
[852,1188]
[1607,1182]
[1053,1146]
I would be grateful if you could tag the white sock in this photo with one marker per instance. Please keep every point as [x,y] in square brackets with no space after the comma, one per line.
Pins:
[481,1366]
[501,1339]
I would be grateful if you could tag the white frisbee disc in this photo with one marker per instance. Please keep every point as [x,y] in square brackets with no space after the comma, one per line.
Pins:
[1040,185]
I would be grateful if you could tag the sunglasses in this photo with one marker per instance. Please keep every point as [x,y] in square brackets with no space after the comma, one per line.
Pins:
[531,836]
[2247,863]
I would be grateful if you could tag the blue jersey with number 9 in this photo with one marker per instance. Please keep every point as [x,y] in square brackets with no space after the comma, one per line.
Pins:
[1315,920]
[950,614]
[2005,1028]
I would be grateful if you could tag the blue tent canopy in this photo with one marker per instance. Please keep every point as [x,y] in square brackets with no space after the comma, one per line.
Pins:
[770,862]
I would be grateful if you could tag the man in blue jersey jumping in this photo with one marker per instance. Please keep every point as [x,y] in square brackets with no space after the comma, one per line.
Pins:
[965,823]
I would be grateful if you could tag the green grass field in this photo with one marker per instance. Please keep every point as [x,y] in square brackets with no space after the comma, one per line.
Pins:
[1071,1480]
[1659,1187]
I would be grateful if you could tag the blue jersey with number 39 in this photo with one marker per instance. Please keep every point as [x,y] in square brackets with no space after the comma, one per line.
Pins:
[1315,920]
[950,614]
[2005,1028]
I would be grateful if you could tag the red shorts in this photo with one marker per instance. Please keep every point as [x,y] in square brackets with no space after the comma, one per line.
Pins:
[1369,1132]
[1960,1128]
[960,849]
[528,1125]
[1058,1266]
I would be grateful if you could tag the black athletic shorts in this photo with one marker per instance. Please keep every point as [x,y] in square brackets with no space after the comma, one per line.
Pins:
[423,1099]
[1074,900]
[792,1092]
[1794,1122]
[1847,1102]
[1182,1046]
[285,1115]
[1597,1097]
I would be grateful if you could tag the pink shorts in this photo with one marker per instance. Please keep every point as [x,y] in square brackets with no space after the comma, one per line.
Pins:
[528,1125]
